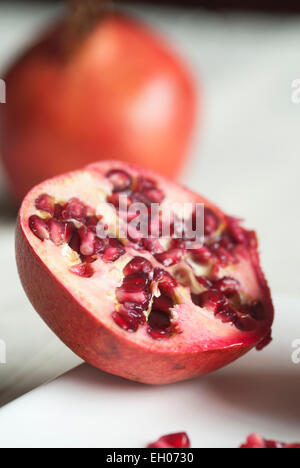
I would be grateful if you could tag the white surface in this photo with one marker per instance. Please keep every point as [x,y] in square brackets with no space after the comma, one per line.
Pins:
[87,408]
[246,158]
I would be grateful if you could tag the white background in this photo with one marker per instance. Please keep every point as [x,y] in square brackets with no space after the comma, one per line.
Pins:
[245,157]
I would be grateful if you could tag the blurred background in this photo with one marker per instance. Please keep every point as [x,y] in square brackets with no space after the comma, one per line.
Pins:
[244,153]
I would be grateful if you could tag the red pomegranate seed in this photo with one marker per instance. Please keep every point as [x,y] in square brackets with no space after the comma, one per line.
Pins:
[99,245]
[119,179]
[152,245]
[133,310]
[227,286]
[74,242]
[256,310]
[138,264]
[144,184]
[202,255]
[38,227]
[235,230]
[91,222]
[226,314]
[264,342]
[255,441]
[245,323]
[83,270]
[211,222]
[163,303]
[113,251]
[167,283]
[57,231]
[155,195]
[58,209]
[125,322]
[171,257]
[222,254]
[45,203]
[178,440]
[135,288]
[212,300]
[205,282]
[74,209]
[87,238]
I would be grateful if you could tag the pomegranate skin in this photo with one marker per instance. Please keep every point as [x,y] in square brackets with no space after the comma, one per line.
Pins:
[121,94]
[103,344]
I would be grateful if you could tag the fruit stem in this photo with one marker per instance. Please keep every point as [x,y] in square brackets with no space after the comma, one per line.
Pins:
[83,15]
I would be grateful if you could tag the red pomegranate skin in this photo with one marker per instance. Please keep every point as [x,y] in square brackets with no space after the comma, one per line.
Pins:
[122,94]
[103,344]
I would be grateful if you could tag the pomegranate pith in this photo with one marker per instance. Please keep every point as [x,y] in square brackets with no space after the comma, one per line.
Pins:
[154,315]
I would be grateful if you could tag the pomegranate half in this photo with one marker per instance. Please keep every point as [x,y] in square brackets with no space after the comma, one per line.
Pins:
[151,309]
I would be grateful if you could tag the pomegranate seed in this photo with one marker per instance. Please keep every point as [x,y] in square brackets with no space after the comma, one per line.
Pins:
[226,314]
[57,231]
[178,440]
[74,209]
[38,227]
[211,222]
[222,254]
[91,222]
[138,264]
[119,179]
[163,303]
[144,184]
[58,209]
[245,323]
[69,230]
[235,230]
[255,441]
[212,300]
[115,200]
[205,282]
[155,195]
[99,245]
[83,270]
[125,322]
[171,257]
[134,310]
[45,203]
[135,288]
[152,245]
[227,286]
[167,283]
[202,255]
[87,238]
[264,342]
[256,310]
[74,242]
[113,251]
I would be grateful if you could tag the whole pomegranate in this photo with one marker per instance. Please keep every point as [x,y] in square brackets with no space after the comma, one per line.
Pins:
[151,308]
[91,90]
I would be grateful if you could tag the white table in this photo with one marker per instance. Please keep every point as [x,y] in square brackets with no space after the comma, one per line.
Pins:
[246,158]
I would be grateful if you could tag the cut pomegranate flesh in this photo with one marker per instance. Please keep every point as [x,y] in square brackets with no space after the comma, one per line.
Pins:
[256,441]
[177,440]
[154,309]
